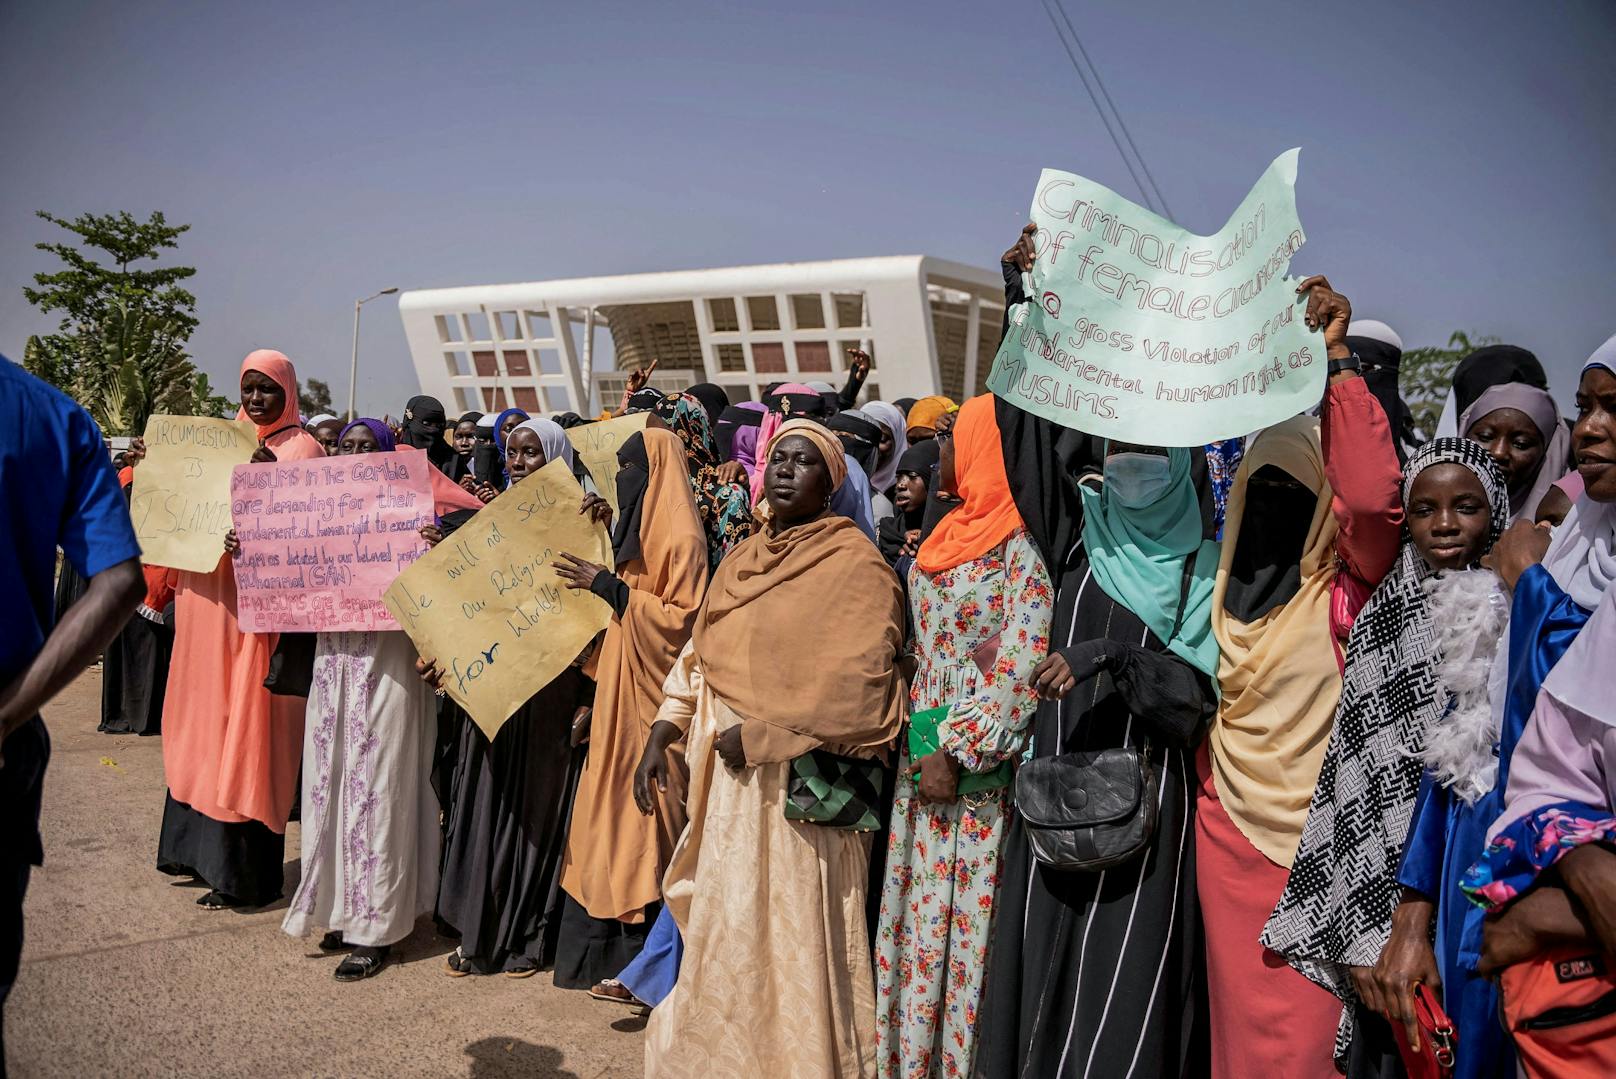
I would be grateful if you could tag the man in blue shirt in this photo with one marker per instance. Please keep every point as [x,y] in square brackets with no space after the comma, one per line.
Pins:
[57,489]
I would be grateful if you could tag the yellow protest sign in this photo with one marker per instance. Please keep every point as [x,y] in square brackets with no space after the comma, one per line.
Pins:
[596,446]
[487,606]
[180,501]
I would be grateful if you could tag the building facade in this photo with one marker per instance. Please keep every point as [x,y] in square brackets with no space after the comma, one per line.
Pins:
[929,326]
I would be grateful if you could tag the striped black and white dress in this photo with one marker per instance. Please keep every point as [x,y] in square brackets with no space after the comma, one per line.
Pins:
[1100,974]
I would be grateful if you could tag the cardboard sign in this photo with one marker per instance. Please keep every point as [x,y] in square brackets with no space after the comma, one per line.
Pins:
[486,605]
[1140,331]
[180,501]
[321,540]
[596,446]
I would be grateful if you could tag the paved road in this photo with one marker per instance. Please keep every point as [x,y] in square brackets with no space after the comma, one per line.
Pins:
[123,975]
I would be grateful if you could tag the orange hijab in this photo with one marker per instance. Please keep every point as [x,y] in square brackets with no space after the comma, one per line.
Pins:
[988,515]
[266,361]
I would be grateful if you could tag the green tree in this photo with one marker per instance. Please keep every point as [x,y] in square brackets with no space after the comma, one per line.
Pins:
[120,347]
[1426,376]
[314,397]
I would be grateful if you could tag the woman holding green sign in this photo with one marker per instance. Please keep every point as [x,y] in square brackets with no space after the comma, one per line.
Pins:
[981,604]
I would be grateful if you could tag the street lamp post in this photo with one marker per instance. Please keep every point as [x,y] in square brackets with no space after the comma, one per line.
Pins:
[353,367]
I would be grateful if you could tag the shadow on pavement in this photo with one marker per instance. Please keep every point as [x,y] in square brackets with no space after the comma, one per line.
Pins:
[495,1058]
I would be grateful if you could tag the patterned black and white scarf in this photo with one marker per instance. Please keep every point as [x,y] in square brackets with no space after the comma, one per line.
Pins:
[1336,909]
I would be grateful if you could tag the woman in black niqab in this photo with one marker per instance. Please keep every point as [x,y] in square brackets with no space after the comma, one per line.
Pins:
[424,419]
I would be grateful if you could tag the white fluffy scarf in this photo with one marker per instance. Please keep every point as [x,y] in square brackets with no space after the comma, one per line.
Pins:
[1469,610]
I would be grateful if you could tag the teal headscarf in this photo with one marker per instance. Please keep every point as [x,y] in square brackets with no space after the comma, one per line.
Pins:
[1137,555]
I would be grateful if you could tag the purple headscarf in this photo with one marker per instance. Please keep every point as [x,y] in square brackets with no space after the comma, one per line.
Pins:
[744,448]
[384,434]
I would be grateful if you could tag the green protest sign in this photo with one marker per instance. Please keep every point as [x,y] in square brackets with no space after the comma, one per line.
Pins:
[1140,331]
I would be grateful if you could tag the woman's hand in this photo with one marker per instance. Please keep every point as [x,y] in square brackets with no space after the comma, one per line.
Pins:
[858,364]
[1589,873]
[1329,311]
[653,767]
[728,472]
[945,422]
[729,747]
[911,544]
[637,380]
[232,545]
[576,572]
[939,778]
[432,534]
[263,455]
[485,492]
[1521,547]
[430,674]
[1022,253]
[1061,671]
[1363,980]
[1406,961]
[469,483]
[136,452]
[597,509]
[581,721]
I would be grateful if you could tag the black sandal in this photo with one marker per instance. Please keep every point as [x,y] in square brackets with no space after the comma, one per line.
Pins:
[333,942]
[217,900]
[362,963]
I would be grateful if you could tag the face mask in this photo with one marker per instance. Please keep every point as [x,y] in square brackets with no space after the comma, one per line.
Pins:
[1136,479]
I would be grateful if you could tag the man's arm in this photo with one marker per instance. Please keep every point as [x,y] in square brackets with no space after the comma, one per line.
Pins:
[87,627]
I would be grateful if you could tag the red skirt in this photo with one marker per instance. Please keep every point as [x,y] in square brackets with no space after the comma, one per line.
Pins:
[1266,1018]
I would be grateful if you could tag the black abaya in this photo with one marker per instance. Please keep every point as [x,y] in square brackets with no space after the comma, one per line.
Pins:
[243,861]
[507,810]
[134,678]
[1100,973]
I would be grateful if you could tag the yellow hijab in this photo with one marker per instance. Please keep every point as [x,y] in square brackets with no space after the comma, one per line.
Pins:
[1278,675]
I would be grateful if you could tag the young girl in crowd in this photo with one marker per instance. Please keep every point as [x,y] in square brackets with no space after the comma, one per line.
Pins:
[981,604]
[1416,669]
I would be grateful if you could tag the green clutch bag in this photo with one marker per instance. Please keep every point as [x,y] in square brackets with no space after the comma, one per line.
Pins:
[834,791]
[923,743]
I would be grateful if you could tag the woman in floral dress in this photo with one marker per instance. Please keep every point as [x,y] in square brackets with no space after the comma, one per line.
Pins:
[981,604]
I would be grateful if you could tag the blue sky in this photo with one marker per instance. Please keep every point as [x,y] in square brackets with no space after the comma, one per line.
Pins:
[1457,168]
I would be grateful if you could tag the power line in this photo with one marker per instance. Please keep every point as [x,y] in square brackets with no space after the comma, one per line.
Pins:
[1165,211]
[1159,203]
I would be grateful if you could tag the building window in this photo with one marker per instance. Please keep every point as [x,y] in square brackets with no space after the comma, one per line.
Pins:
[731,357]
[769,358]
[457,363]
[509,329]
[527,399]
[538,324]
[477,323]
[516,363]
[484,363]
[807,311]
[721,311]
[811,356]
[468,400]
[448,327]
[493,399]
[849,310]
[763,313]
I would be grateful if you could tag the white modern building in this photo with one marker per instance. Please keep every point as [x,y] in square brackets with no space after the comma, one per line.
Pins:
[929,325]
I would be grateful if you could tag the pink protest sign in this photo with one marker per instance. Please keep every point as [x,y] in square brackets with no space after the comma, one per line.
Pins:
[322,540]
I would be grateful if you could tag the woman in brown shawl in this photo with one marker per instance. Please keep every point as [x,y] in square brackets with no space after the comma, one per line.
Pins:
[615,855]
[775,977]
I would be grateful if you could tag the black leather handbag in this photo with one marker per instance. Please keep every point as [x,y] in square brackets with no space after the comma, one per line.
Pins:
[1091,810]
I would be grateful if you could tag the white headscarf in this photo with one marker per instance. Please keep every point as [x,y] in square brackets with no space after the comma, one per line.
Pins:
[1582,556]
[888,416]
[552,439]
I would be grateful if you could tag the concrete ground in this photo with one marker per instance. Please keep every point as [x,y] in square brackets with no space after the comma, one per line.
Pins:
[123,975]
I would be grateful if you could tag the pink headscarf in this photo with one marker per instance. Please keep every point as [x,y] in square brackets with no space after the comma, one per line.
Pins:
[279,369]
[772,421]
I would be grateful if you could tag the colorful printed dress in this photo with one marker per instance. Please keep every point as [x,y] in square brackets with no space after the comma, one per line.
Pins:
[943,859]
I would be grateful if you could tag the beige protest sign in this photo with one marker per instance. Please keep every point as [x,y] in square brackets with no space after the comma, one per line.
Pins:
[487,606]
[180,502]
[596,446]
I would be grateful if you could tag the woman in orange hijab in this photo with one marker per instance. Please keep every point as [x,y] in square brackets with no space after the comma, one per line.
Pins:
[230,749]
[980,602]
